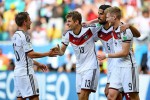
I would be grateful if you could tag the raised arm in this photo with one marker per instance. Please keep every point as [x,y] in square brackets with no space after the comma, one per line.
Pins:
[90,22]
[135,32]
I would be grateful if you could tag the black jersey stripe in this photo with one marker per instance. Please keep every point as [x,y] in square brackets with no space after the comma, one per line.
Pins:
[127,41]
[93,78]
[96,56]
[134,79]
[32,83]
[29,51]
[131,59]
[18,34]
[27,63]
[64,43]
[133,74]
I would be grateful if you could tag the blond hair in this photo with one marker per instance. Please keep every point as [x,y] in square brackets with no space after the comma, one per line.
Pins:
[114,10]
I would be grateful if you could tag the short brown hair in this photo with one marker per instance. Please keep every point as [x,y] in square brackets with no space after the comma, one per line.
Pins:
[75,16]
[21,17]
[114,10]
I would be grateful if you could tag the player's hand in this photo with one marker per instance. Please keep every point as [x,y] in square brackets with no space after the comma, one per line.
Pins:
[124,27]
[85,24]
[101,57]
[43,67]
[54,51]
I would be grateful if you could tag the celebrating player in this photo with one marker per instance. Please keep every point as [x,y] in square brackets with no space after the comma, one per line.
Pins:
[83,43]
[125,71]
[105,35]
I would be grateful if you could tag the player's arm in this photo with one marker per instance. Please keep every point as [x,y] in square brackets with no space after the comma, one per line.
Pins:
[62,49]
[135,32]
[90,22]
[123,53]
[33,54]
[43,67]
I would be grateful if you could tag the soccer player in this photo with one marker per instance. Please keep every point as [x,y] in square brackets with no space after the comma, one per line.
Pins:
[105,35]
[83,43]
[24,78]
[125,71]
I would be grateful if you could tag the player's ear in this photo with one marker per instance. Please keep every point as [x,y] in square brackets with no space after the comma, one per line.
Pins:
[77,22]
[24,23]
[115,17]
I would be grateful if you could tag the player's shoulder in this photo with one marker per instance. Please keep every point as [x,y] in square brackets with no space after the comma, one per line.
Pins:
[19,33]
[66,32]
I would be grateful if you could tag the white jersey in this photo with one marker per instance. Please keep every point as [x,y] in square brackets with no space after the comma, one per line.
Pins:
[84,47]
[105,36]
[119,38]
[22,45]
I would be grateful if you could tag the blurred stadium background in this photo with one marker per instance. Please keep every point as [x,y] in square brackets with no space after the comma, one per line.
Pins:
[48,24]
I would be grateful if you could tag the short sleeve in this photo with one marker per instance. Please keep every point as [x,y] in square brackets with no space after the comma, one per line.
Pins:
[96,38]
[65,38]
[127,35]
[27,45]
[95,28]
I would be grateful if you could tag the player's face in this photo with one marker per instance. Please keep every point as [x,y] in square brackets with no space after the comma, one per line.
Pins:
[70,23]
[110,18]
[28,22]
[101,17]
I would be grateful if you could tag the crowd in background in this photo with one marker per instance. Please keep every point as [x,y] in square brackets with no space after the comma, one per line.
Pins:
[49,23]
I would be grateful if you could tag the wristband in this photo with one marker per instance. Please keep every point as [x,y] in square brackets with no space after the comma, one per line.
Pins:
[106,55]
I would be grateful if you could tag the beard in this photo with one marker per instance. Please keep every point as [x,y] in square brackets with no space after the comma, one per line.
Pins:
[28,27]
[103,23]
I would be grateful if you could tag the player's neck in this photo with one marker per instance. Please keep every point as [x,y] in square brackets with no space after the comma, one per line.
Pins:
[106,26]
[22,29]
[116,24]
[77,30]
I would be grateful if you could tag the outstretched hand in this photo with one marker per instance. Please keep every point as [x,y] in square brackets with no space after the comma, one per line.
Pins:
[54,51]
